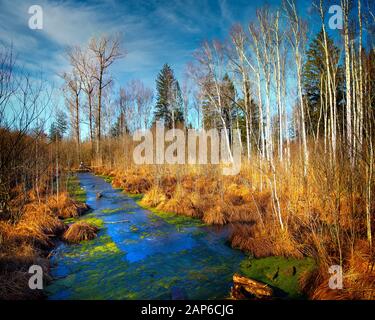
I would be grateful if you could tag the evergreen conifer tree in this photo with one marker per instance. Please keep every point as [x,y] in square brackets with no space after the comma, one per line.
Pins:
[169,106]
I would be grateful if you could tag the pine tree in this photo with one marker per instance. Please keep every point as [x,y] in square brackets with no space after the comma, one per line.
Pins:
[211,117]
[119,128]
[315,78]
[169,106]
[58,127]
[253,120]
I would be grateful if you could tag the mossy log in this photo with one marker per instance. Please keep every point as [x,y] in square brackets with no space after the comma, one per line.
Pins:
[244,288]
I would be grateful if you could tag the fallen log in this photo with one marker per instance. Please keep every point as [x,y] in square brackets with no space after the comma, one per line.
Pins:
[244,287]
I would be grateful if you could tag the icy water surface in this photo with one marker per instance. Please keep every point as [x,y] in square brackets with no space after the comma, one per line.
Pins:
[141,255]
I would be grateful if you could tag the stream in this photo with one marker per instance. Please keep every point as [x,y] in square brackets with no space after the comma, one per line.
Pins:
[139,254]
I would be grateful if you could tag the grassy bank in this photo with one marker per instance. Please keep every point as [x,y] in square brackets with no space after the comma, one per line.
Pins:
[29,239]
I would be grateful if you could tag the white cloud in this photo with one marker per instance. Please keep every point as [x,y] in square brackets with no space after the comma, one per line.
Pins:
[71,24]
[153,32]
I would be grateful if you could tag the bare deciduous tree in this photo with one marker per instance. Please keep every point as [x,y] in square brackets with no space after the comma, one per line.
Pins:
[297,39]
[72,90]
[82,64]
[106,51]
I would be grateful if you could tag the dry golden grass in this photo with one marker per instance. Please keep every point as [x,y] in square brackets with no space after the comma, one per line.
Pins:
[20,250]
[14,286]
[64,206]
[182,202]
[153,198]
[257,241]
[80,231]
[39,222]
[28,240]
[358,277]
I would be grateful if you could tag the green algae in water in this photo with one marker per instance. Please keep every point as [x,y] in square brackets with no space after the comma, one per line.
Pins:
[87,265]
[180,221]
[124,209]
[100,246]
[107,248]
[75,190]
[99,223]
[99,271]
[90,218]
[279,272]
[105,268]
[134,196]
[134,228]
[109,211]
[153,233]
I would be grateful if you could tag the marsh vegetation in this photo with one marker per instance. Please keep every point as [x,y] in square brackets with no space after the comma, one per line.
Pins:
[301,107]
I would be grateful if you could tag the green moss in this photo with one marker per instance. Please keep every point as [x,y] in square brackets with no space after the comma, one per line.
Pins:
[131,296]
[179,221]
[109,247]
[125,209]
[75,190]
[153,233]
[197,275]
[134,228]
[279,272]
[99,223]
[99,270]
[101,246]
[70,220]
[109,211]
[90,218]
[135,196]
[66,282]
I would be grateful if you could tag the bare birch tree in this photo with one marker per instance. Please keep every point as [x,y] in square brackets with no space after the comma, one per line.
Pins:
[239,40]
[211,58]
[297,39]
[72,89]
[106,51]
[348,76]
[82,63]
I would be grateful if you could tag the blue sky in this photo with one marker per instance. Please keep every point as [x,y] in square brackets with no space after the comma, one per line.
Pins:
[154,32]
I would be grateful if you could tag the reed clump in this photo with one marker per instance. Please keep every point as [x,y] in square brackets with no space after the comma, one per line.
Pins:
[80,231]
[63,206]
[27,239]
